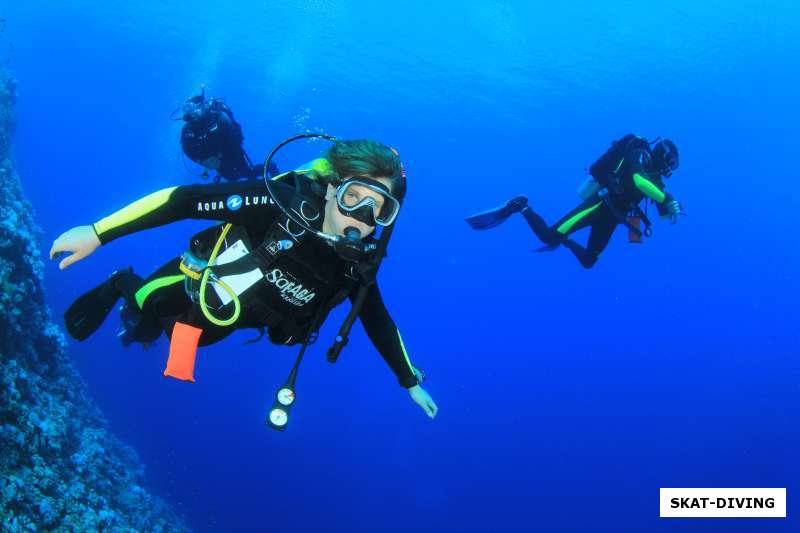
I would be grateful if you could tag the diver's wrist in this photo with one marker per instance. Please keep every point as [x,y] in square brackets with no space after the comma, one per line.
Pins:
[96,233]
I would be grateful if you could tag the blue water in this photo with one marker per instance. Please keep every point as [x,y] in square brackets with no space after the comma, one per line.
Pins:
[567,397]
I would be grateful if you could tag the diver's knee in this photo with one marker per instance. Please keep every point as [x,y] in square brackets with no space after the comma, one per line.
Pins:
[556,237]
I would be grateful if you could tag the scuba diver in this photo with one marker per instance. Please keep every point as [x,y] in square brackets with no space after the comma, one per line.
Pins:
[212,138]
[632,170]
[283,258]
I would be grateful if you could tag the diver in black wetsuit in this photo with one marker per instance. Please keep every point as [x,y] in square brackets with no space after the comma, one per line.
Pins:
[625,175]
[282,279]
[212,138]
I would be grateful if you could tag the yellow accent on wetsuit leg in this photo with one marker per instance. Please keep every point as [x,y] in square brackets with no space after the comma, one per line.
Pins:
[648,188]
[570,223]
[137,209]
[405,353]
[152,286]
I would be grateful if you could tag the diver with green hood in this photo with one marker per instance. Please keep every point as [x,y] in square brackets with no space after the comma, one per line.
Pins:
[630,171]
[288,250]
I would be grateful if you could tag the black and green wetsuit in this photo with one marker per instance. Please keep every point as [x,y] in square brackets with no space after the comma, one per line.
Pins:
[292,294]
[637,182]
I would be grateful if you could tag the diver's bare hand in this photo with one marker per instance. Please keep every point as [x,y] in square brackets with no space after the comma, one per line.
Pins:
[79,242]
[424,400]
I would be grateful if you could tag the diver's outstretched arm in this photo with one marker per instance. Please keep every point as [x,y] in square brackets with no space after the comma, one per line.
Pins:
[243,203]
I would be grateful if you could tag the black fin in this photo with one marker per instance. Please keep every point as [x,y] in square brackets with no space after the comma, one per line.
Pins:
[89,311]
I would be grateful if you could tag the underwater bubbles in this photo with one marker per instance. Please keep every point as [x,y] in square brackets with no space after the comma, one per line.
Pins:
[302,120]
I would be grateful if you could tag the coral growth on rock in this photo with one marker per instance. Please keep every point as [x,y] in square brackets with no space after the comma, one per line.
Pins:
[60,469]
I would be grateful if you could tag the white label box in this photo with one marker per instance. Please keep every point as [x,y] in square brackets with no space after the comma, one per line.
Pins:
[722,503]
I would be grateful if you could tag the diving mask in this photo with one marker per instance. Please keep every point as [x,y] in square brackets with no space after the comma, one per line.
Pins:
[368,201]
[665,156]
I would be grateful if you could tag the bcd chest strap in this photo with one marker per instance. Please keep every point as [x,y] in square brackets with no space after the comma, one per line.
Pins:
[281,236]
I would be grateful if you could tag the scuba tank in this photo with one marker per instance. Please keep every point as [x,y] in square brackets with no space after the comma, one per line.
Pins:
[605,170]
[588,188]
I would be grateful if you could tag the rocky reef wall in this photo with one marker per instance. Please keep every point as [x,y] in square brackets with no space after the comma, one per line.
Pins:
[60,468]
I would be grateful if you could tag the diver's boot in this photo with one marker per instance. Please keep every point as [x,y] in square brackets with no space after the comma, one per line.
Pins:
[498,215]
[128,320]
[89,311]
[135,326]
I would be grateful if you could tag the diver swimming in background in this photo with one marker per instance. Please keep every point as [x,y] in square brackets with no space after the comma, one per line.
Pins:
[629,172]
[286,257]
[212,138]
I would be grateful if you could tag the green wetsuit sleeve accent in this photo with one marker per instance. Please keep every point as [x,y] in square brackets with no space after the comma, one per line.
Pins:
[405,352]
[569,223]
[149,288]
[648,188]
[136,210]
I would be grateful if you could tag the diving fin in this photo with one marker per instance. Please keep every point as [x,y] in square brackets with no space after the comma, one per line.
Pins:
[494,217]
[89,311]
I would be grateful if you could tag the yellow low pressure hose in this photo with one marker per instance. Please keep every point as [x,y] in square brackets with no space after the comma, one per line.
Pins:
[237,306]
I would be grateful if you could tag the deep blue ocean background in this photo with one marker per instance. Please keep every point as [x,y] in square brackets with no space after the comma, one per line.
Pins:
[567,397]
